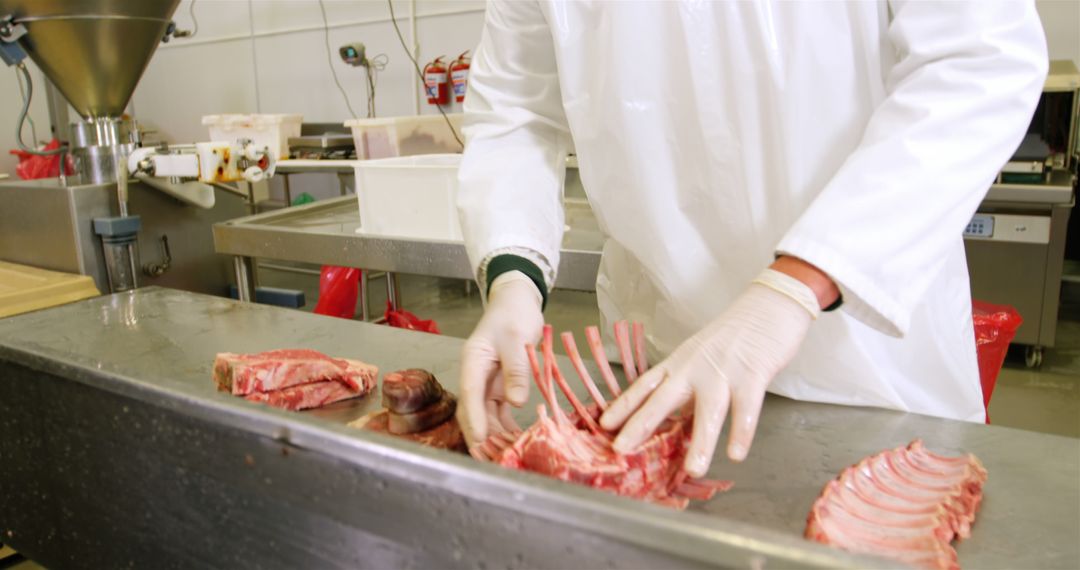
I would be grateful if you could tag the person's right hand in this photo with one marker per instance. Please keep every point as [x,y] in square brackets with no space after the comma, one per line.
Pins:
[495,370]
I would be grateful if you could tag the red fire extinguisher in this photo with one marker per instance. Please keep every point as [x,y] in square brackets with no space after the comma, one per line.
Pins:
[435,82]
[459,75]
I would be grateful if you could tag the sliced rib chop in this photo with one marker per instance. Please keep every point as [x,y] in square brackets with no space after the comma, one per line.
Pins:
[907,503]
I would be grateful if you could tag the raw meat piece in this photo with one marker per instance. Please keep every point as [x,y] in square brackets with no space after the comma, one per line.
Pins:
[425,418]
[407,391]
[446,435]
[305,396]
[304,378]
[433,424]
[907,504]
[244,374]
[573,447]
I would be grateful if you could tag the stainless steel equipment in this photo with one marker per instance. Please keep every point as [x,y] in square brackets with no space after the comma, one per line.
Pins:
[98,146]
[325,233]
[49,225]
[125,454]
[1016,242]
[94,52]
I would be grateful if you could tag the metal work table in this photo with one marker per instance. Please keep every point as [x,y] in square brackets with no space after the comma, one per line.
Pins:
[344,170]
[325,233]
[124,453]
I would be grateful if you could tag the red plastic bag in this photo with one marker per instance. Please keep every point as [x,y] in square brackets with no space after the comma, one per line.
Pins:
[995,327]
[33,167]
[403,319]
[339,287]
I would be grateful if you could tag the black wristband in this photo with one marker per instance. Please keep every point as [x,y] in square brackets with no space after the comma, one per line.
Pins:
[508,262]
[835,304]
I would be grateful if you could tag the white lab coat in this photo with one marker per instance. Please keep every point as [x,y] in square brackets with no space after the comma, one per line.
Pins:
[858,136]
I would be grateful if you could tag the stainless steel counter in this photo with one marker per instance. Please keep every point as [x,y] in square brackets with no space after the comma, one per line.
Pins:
[124,453]
[325,233]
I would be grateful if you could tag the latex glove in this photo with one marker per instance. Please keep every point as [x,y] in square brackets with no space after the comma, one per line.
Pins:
[495,371]
[729,363]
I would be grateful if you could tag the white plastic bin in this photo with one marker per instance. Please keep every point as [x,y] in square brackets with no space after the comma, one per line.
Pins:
[272,131]
[409,197]
[405,136]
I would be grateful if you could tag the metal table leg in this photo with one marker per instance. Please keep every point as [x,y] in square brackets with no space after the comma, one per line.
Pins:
[342,186]
[393,293]
[244,267]
[365,313]
[288,189]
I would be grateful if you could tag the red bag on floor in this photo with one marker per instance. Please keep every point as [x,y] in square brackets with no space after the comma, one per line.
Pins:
[339,287]
[403,319]
[995,327]
[33,167]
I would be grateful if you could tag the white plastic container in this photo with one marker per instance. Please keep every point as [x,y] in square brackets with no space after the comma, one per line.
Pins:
[272,131]
[409,197]
[405,136]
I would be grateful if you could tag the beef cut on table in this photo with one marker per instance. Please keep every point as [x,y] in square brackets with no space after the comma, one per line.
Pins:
[293,379]
[408,391]
[243,374]
[304,396]
[418,409]
[906,503]
[573,447]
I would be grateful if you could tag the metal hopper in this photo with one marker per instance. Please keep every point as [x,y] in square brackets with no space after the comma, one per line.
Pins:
[94,51]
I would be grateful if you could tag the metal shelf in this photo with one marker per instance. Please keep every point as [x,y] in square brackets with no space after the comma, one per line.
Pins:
[325,233]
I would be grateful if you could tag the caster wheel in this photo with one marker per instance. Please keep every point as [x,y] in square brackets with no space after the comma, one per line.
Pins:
[1033,356]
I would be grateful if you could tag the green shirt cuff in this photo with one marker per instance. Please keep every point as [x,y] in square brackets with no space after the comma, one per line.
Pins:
[507,262]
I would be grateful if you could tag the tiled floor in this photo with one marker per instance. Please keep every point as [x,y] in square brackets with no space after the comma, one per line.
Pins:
[1045,400]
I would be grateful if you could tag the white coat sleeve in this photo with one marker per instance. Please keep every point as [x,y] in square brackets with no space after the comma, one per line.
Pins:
[958,102]
[516,136]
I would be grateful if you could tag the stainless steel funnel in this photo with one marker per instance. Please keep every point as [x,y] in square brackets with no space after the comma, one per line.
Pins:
[95,51]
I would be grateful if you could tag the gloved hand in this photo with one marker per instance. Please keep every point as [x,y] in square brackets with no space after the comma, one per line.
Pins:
[495,371]
[728,363]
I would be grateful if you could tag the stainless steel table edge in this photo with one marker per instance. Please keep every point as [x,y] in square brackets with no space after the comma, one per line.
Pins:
[248,237]
[687,534]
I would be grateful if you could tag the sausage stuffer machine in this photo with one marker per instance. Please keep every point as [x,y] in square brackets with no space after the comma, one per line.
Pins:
[94,52]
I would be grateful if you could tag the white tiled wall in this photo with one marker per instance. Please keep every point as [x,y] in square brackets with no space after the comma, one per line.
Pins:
[1061,20]
[10,104]
[269,56]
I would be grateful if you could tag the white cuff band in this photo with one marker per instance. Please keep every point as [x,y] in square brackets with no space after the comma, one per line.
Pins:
[791,287]
[511,276]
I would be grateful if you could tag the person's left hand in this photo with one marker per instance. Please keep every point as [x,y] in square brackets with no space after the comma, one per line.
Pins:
[729,363]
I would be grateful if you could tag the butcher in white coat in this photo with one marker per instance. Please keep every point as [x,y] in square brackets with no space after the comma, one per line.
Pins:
[754,166]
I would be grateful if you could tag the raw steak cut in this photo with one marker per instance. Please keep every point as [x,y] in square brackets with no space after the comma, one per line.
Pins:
[300,378]
[243,374]
[305,396]
[446,435]
[419,410]
[907,504]
[407,391]
[425,418]
[573,447]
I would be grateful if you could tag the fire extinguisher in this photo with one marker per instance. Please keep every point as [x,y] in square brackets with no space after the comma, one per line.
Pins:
[435,82]
[459,75]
